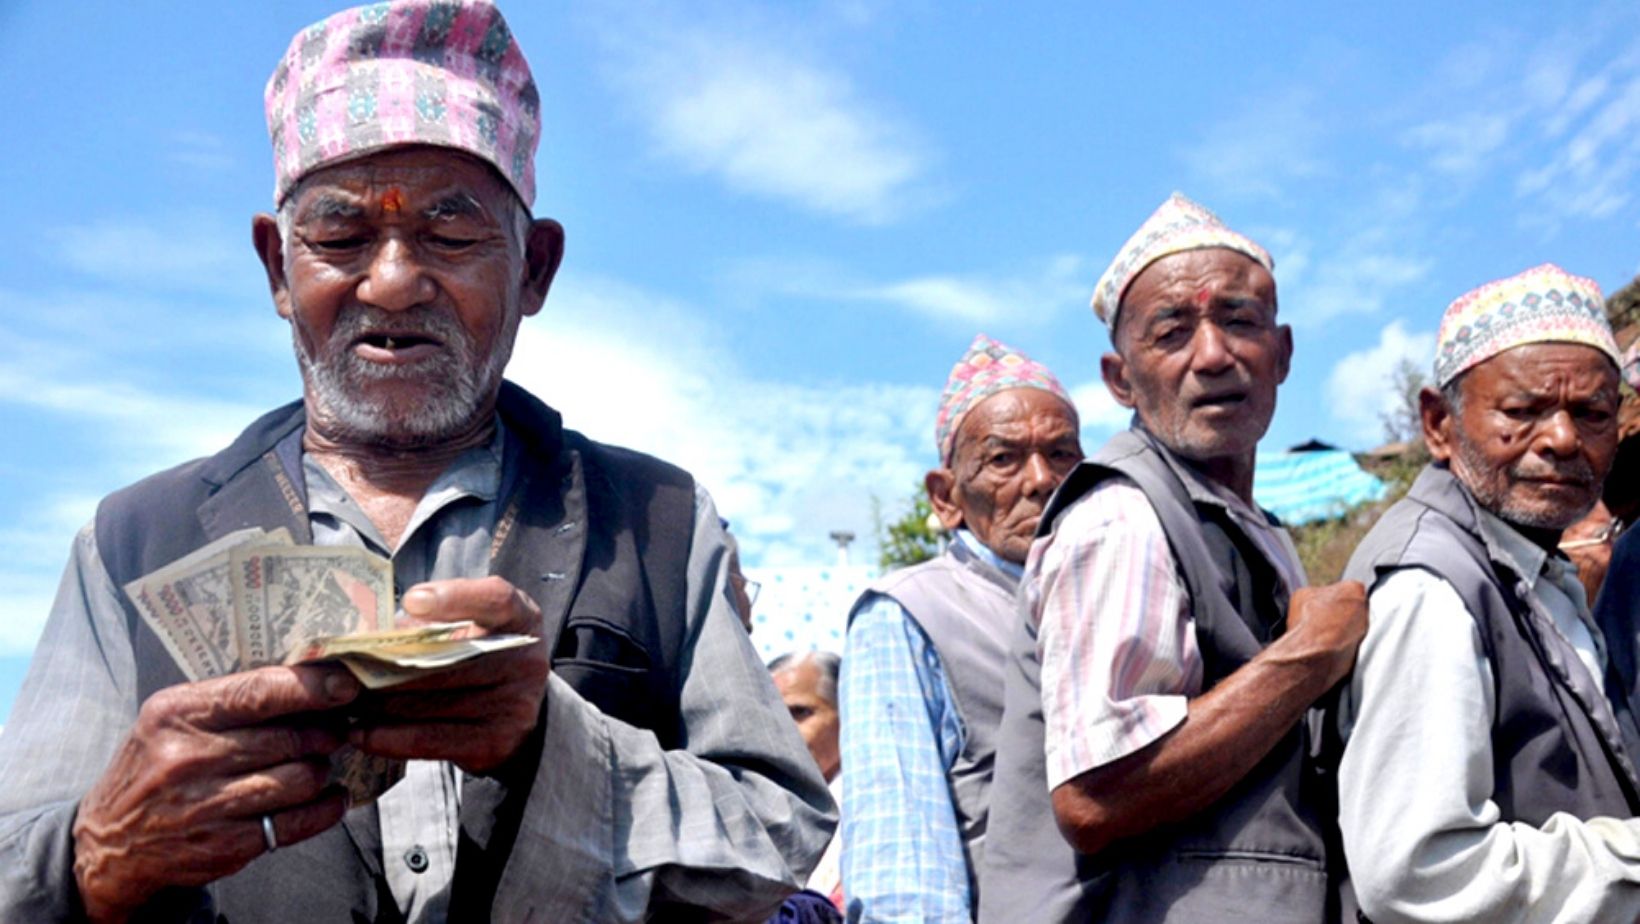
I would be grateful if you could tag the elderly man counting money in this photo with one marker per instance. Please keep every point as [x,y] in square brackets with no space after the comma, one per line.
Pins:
[634,764]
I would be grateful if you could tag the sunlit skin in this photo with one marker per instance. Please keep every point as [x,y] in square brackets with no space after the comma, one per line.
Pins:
[1534,435]
[404,284]
[1199,355]
[1011,450]
[816,717]
[404,274]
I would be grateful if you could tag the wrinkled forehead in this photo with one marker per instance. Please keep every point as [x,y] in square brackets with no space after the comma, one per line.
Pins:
[409,178]
[1211,271]
[1541,367]
[1007,413]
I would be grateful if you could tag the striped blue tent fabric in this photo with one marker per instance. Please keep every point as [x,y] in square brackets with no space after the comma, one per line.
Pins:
[1303,487]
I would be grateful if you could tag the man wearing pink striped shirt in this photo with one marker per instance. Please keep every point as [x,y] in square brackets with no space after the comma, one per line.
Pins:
[1157,697]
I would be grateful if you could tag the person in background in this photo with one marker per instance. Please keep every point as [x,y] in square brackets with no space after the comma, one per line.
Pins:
[1170,650]
[922,676]
[807,682]
[1488,771]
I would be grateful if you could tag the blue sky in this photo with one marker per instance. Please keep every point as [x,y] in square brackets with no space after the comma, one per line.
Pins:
[786,221]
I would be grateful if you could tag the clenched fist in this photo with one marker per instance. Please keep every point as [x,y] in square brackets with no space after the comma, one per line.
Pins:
[1328,623]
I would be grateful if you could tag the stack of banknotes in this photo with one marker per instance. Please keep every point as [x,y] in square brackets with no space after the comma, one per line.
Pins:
[254,598]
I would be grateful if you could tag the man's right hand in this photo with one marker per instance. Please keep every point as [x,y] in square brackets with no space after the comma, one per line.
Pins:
[1328,623]
[182,801]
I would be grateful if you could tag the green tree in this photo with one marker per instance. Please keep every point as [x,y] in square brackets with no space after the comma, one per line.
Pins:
[1623,308]
[908,538]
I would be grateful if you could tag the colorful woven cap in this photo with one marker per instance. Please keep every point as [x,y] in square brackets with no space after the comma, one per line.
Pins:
[1179,225]
[1631,366]
[987,368]
[1545,304]
[438,72]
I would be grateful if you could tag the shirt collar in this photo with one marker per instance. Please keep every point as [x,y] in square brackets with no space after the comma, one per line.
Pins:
[983,553]
[1511,547]
[474,474]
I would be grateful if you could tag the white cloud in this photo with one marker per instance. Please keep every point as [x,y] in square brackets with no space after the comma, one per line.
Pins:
[1100,414]
[785,463]
[1360,390]
[1463,144]
[1258,150]
[764,117]
[976,299]
[190,253]
[1358,278]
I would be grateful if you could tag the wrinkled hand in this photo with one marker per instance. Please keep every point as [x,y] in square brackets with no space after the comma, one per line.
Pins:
[1329,622]
[477,714]
[182,801]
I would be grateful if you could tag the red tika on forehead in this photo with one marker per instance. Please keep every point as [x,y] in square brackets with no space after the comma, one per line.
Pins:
[393,200]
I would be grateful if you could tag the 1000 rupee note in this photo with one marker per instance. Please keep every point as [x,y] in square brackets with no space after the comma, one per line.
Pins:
[284,595]
[189,604]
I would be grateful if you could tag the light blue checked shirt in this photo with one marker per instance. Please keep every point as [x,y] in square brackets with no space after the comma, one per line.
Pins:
[903,859]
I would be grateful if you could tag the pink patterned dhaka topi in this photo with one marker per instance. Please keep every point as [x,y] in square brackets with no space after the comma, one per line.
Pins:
[437,72]
[987,368]
[1545,304]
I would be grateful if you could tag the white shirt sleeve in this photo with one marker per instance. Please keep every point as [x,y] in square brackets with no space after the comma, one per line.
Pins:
[1423,838]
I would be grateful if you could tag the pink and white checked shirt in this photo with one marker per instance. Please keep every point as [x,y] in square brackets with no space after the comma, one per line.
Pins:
[1115,634]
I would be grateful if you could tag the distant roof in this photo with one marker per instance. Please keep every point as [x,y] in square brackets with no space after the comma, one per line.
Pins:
[1312,445]
[1302,487]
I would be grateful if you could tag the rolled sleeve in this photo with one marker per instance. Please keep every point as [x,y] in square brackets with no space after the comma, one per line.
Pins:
[1422,835]
[730,823]
[1114,632]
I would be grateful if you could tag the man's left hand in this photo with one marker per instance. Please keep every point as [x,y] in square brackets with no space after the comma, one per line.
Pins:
[478,714]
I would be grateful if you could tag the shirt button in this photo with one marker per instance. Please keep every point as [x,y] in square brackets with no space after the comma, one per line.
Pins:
[416,859]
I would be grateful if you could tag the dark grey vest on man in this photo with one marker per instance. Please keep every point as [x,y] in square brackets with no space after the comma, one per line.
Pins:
[1258,854]
[599,537]
[965,605]
[1562,741]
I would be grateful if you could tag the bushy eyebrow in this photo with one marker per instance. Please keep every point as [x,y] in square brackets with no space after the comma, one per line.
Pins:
[455,205]
[326,206]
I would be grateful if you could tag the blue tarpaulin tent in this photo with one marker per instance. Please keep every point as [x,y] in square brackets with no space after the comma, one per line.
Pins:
[1316,484]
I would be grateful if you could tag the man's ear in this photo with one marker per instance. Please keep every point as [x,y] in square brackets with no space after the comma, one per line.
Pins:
[1113,369]
[941,484]
[1284,334]
[270,249]
[543,252]
[1439,420]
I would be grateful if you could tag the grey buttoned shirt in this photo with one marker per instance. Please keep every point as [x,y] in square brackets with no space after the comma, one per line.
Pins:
[611,818]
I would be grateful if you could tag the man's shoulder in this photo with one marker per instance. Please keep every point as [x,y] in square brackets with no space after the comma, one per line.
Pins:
[621,463]
[937,567]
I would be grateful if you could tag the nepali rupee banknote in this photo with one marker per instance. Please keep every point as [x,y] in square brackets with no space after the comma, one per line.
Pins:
[283,596]
[385,659]
[189,604]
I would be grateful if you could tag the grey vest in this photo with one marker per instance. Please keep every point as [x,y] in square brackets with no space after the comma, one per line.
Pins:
[966,608]
[1258,855]
[1561,741]
[598,536]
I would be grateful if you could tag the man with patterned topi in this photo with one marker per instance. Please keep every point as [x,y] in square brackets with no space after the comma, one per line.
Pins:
[922,679]
[1489,766]
[633,764]
[1169,651]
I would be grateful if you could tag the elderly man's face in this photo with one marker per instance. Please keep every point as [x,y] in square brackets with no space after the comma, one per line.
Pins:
[815,715]
[1011,451]
[1199,353]
[1534,432]
[404,276]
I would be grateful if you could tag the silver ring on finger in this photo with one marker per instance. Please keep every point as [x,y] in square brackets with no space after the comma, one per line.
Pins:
[268,837]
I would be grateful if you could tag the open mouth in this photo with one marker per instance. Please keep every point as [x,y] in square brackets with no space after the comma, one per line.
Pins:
[1224,401]
[396,346]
